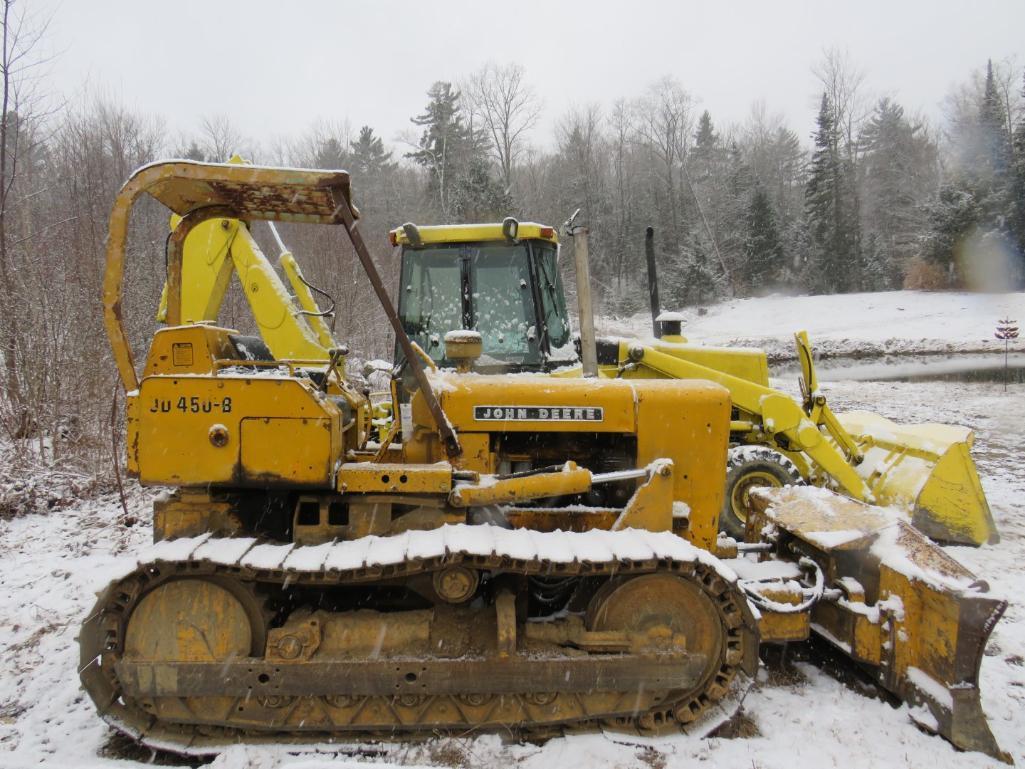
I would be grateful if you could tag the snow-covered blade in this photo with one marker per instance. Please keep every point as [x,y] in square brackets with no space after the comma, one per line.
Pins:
[910,614]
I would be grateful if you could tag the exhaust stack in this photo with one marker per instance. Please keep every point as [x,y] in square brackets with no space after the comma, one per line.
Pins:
[656,306]
[588,344]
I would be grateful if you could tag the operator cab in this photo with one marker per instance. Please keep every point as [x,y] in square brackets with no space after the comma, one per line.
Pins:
[501,280]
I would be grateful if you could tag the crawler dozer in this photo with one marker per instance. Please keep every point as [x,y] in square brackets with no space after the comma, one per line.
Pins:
[503,280]
[536,554]
[516,300]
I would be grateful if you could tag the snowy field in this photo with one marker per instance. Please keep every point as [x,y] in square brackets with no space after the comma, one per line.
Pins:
[797,715]
[884,323]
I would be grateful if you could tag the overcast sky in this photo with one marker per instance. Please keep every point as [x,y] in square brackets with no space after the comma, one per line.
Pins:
[275,66]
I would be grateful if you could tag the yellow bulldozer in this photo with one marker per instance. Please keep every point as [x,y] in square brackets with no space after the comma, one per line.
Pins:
[503,280]
[530,554]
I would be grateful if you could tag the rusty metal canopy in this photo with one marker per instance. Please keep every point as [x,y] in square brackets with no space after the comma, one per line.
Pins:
[252,192]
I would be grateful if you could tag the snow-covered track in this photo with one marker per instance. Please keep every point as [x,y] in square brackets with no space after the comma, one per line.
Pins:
[692,691]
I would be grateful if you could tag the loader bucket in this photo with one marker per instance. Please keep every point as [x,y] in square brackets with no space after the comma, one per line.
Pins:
[907,612]
[927,470]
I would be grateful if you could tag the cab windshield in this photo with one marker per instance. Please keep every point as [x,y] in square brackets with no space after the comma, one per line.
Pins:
[490,288]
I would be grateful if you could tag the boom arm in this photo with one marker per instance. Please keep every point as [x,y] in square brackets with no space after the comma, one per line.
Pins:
[216,248]
[780,414]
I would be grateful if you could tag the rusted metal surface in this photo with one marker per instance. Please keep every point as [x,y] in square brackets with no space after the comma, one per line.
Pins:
[917,620]
[508,675]
[276,699]
[252,192]
[244,192]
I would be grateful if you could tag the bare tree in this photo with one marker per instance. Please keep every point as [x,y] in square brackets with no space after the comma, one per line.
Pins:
[506,107]
[843,83]
[664,123]
[221,139]
[624,172]
[776,158]
[325,144]
[20,106]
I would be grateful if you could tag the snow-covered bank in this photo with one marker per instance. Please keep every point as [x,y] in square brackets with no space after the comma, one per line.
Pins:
[882,323]
[50,564]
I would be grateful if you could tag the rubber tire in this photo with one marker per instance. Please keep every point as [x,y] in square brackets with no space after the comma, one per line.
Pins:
[743,461]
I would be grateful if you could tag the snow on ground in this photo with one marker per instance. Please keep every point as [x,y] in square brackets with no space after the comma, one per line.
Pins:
[847,324]
[804,717]
[799,715]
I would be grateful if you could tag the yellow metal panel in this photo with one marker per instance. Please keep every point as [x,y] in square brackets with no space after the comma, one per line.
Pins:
[190,513]
[868,640]
[927,468]
[465,233]
[367,477]
[780,627]
[279,450]
[476,454]
[206,270]
[688,421]
[748,363]
[189,430]
[188,350]
[651,506]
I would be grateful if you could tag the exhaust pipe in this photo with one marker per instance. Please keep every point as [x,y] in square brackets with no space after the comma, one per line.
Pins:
[588,343]
[656,307]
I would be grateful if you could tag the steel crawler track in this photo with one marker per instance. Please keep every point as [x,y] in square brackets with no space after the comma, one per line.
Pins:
[244,564]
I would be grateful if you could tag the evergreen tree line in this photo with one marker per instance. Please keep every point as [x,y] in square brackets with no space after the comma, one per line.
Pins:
[875,199]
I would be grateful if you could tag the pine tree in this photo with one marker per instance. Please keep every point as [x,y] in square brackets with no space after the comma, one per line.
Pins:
[733,206]
[831,212]
[1017,206]
[898,173]
[953,215]
[993,158]
[369,157]
[973,221]
[455,156]
[193,152]
[763,253]
[695,275]
[331,154]
[477,197]
[444,143]
[706,149]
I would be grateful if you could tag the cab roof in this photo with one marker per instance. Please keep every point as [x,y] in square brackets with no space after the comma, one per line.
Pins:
[467,233]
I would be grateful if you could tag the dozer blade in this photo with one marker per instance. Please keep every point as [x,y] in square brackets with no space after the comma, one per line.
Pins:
[926,469]
[895,603]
